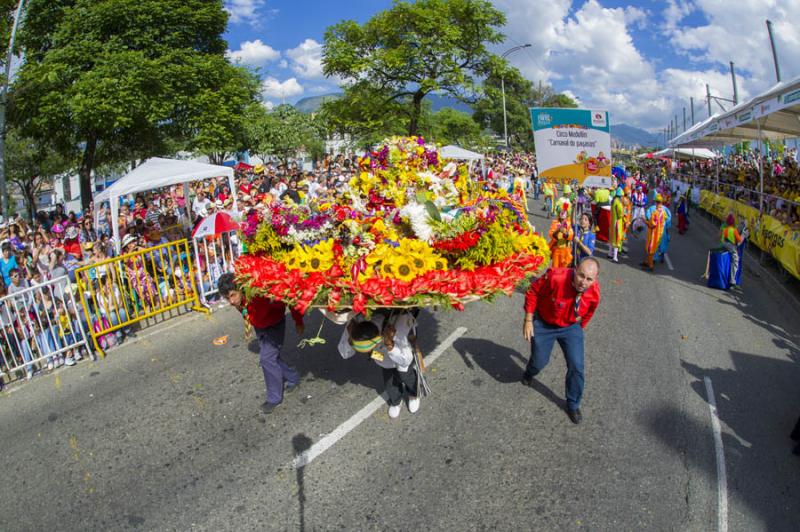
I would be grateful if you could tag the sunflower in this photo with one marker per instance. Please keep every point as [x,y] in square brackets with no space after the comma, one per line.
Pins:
[440,264]
[387,269]
[404,269]
[320,257]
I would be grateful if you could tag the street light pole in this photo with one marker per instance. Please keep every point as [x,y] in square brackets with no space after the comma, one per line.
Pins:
[4,203]
[503,89]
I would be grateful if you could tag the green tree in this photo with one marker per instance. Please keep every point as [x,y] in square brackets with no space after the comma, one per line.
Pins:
[449,126]
[413,49]
[365,113]
[118,80]
[29,165]
[284,132]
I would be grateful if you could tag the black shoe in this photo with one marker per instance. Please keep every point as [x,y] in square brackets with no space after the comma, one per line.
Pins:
[267,408]
[290,388]
[575,415]
[796,450]
[526,379]
[795,435]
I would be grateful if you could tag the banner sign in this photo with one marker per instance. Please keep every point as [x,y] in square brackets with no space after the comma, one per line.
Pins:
[766,232]
[573,146]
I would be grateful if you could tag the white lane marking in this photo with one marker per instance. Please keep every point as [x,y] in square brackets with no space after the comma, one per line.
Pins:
[722,476]
[668,261]
[307,456]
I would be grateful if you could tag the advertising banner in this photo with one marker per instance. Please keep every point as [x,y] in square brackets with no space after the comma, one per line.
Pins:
[766,232]
[573,146]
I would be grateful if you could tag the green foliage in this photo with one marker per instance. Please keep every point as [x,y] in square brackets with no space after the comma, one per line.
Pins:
[495,244]
[284,132]
[449,126]
[128,79]
[521,95]
[29,165]
[265,240]
[366,113]
[414,49]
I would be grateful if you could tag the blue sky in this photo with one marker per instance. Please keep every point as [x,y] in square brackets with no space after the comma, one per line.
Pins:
[640,60]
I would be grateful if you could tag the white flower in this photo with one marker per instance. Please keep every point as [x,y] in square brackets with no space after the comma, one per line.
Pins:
[418,217]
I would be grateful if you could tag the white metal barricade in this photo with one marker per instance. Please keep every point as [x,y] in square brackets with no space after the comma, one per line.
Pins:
[213,257]
[40,324]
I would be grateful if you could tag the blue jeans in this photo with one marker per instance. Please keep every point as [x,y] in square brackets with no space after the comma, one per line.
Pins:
[276,371]
[571,341]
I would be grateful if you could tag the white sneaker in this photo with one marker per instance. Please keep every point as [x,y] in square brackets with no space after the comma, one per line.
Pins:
[78,356]
[70,361]
[28,376]
[413,404]
[50,364]
[394,411]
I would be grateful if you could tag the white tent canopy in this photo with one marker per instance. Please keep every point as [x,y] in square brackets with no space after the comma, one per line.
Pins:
[459,154]
[686,153]
[773,114]
[157,173]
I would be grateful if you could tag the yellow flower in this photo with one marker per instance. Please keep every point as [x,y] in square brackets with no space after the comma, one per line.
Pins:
[404,269]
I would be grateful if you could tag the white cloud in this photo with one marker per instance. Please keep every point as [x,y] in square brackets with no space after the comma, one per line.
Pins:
[306,59]
[280,90]
[736,31]
[254,53]
[635,16]
[591,54]
[248,11]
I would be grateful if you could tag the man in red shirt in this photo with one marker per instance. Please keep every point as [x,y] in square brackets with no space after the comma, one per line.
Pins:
[564,301]
[268,319]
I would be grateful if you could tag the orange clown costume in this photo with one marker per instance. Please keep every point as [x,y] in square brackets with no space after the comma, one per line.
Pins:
[561,236]
[655,231]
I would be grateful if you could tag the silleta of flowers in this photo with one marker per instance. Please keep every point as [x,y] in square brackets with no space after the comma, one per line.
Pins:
[409,231]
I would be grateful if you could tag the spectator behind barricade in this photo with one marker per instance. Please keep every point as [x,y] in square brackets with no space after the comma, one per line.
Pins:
[87,232]
[291,193]
[18,283]
[153,212]
[200,204]
[72,245]
[139,208]
[8,262]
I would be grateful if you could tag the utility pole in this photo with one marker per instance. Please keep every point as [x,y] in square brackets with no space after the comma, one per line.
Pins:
[4,203]
[735,89]
[684,118]
[774,51]
[691,103]
[503,89]
[708,99]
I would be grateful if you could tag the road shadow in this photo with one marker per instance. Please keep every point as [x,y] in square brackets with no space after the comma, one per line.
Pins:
[301,443]
[758,404]
[503,364]
[323,361]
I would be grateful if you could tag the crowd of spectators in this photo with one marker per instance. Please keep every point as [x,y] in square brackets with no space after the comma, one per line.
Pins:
[737,177]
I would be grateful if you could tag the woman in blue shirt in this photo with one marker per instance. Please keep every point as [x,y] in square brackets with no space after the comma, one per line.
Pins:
[584,237]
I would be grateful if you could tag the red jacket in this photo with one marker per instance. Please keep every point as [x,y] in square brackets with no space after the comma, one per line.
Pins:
[553,297]
[263,312]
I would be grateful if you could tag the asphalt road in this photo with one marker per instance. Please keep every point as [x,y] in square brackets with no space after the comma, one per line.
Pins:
[166,433]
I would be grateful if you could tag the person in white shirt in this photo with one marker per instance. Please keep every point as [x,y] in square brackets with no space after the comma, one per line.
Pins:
[200,204]
[387,342]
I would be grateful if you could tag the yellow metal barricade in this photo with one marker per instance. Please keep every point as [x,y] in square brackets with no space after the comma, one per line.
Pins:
[119,292]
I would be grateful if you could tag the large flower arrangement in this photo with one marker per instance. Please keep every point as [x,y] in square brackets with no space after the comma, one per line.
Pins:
[409,231]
